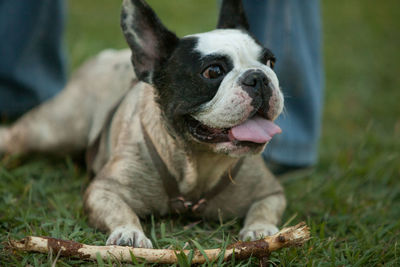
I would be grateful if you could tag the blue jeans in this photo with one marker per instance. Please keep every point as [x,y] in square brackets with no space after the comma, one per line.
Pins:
[32,62]
[292,30]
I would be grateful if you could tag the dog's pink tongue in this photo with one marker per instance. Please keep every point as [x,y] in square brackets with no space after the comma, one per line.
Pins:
[256,130]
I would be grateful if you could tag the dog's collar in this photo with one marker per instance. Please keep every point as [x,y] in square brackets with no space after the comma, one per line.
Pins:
[177,202]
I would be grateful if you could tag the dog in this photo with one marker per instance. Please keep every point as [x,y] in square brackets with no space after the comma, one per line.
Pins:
[171,125]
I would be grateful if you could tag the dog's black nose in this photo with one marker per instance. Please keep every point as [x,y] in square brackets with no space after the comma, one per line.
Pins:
[255,78]
[257,85]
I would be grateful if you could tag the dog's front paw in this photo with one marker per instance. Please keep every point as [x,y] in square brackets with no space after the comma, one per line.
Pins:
[257,231]
[129,236]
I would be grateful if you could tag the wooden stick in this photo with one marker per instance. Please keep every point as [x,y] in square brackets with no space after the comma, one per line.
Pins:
[290,236]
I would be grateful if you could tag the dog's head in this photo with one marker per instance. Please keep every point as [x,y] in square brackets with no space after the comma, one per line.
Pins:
[216,89]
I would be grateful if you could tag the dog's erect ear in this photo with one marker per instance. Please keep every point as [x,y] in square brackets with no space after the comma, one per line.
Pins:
[150,41]
[232,16]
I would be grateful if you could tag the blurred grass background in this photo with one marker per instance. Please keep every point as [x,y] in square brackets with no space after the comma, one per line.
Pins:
[94,28]
[351,201]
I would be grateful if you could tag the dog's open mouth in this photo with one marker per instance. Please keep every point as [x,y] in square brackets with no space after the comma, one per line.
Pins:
[254,130]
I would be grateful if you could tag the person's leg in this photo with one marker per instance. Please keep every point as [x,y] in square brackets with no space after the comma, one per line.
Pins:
[32,65]
[292,30]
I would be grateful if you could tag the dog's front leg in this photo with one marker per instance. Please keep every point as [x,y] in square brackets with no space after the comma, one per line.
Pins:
[263,217]
[107,210]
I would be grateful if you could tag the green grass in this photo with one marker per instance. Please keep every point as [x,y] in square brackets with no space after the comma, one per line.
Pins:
[351,201]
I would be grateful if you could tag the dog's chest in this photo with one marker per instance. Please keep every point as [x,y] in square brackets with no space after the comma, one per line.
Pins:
[202,173]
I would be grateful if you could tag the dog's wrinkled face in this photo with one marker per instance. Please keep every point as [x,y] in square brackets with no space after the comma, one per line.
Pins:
[217,88]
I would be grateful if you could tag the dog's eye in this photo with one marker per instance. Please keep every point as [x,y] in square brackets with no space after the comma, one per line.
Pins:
[213,72]
[270,63]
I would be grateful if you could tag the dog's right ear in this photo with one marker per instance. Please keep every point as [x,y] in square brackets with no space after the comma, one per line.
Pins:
[150,41]
[232,15]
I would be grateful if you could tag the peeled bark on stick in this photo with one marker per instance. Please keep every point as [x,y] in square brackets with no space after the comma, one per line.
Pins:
[290,236]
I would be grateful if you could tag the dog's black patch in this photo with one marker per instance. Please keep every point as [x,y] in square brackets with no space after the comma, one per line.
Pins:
[181,87]
[266,55]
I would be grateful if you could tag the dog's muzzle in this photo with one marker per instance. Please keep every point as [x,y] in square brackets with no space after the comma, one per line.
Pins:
[258,87]
[257,126]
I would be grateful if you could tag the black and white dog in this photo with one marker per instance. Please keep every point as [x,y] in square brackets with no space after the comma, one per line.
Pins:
[169,134]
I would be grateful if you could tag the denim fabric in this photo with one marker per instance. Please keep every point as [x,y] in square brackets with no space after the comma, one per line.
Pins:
[32,62]
[292,30]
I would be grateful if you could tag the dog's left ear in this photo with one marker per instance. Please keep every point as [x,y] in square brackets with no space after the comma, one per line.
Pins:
[232,16]
[150,41]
